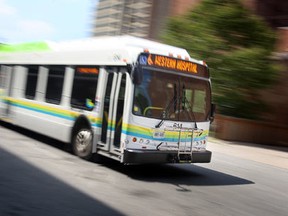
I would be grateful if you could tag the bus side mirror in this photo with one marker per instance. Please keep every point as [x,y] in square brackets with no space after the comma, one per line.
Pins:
[212,114]
[137,76]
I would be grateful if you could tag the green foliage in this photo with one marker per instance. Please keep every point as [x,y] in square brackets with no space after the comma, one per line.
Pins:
[236,45]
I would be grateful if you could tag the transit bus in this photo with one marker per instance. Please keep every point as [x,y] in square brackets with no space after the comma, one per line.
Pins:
[130,99]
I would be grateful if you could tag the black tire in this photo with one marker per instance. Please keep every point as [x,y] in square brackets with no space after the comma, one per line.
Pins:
[82,143]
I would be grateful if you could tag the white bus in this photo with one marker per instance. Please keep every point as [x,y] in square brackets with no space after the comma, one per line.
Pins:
[126,98]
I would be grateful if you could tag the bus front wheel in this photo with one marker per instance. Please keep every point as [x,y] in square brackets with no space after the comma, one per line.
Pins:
[82,143]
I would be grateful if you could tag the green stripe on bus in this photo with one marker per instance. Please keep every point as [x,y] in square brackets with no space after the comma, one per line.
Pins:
[25,47]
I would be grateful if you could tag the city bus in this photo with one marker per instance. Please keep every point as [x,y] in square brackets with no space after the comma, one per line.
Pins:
[130,99]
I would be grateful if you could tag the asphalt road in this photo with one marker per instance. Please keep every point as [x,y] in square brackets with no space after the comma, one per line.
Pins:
[38,176]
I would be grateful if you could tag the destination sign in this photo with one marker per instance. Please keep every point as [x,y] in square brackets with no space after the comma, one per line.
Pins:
[173,64]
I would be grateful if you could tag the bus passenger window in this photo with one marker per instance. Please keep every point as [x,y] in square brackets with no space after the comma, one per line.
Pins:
[2,77]
[32,77]
[55,84]
[84,87]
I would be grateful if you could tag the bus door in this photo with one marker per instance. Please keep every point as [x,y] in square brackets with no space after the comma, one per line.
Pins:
[5,90]
[113,112]
[118,110]
[110,85]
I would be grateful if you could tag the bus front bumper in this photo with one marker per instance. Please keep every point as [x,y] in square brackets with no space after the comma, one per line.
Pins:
[136,156]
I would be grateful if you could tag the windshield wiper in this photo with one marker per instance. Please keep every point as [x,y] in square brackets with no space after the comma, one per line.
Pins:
[167,108]
[193,114]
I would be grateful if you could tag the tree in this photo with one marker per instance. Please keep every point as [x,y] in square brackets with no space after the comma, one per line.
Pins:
[236,44]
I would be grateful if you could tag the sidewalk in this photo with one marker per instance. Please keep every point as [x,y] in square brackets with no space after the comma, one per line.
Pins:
[271,155]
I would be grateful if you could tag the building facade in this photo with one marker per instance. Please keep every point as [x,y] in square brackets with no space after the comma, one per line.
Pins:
[146,18]
[118,17]
[275,13]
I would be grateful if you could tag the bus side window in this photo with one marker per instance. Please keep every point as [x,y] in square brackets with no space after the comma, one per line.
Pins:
[55,84]
[32,77]
[2,77]
[84,87]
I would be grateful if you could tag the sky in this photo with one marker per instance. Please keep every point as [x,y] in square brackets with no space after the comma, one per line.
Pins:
[38,20]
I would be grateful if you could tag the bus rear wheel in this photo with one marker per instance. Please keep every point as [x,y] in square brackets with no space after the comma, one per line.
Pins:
[82,143]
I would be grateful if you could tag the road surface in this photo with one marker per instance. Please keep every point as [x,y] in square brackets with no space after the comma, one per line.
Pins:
[39,177]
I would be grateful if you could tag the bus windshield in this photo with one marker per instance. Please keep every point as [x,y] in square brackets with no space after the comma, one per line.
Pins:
[168,96]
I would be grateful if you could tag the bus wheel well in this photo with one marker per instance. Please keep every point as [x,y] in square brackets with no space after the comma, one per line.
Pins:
[82,138]
[81,122]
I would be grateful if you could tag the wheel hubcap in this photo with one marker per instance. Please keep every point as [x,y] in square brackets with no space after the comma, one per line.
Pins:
[83,141]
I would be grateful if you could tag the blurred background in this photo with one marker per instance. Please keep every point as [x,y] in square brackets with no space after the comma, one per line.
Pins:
[244,42]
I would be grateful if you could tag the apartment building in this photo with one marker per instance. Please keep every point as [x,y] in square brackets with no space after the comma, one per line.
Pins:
[145,18]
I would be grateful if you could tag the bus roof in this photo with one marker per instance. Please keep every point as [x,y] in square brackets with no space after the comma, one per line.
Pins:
[108,50]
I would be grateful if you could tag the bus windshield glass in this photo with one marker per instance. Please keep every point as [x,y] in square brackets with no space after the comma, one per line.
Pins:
[168,96]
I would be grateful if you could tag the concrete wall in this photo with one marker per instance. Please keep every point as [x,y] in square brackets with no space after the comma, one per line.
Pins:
[243,130]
